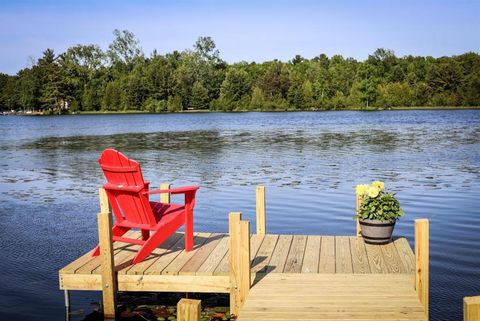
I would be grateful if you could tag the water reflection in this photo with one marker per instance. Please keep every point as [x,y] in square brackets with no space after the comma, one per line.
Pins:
[320,158]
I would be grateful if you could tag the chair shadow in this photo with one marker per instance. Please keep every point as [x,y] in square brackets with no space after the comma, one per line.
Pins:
[177,247]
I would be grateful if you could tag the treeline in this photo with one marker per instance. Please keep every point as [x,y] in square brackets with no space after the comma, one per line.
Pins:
[86,78]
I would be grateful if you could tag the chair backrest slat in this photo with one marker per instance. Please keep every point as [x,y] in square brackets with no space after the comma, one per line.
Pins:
[128,202]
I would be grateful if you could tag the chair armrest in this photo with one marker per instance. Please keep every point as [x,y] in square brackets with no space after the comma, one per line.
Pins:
[179,190]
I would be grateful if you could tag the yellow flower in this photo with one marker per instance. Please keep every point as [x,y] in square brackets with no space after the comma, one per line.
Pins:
[372,191]
[378,185]
[361,189]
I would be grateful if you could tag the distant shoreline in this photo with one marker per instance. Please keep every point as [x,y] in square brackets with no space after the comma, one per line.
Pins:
[276,111]
[193,111]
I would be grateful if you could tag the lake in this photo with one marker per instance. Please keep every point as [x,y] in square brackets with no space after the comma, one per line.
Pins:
[50,177]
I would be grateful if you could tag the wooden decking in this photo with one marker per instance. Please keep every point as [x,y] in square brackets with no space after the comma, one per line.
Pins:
[209,261]
[294,277]
[268,277]
[332,297]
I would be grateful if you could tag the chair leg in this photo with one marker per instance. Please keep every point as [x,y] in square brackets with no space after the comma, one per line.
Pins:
[116,231]
[189,232]
[145,235]
[151,244]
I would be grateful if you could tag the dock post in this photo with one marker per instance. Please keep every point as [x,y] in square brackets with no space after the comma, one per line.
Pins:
[109,284]
[422,262]
[471,308]
[165,197]
[239,261]
[359,200]
[260,202]
[66,295]
[189,310]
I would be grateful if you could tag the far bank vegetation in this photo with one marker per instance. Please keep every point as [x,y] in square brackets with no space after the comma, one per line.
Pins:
[87,78]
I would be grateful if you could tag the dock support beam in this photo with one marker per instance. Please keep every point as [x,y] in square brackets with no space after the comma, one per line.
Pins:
[422,255]
[109,284]
[66,295]
[358,204]
[239,261]
[165,197]
[471,308]
[189,310]
[260,200]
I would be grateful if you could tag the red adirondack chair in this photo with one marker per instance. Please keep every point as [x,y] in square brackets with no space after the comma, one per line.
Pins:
[128,196]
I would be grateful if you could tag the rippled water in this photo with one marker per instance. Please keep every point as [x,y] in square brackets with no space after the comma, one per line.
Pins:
[309,163]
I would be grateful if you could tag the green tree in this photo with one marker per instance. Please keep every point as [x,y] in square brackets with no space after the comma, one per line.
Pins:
[367,85]
[275,81]
[308,97]
[124,52]
[82,65]
[234,88]
[112,100]
[258,99]
[396,94]
[199,98]
[54,88]
[174,104]
[8,92]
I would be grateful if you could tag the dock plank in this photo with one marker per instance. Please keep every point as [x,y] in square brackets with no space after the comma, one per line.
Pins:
[280,253]
[192,265]
[343,256]
[392,259]
[159,264]
[359,255]
[142,266]
[296,254]
[312,254]
[405,253]
[256,241]
[327,255]
[78,263]
[93,265]
[375,258]
[264,254]
[181,259]
[209,266]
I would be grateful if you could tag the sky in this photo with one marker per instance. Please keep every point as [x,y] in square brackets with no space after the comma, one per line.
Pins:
[242,30]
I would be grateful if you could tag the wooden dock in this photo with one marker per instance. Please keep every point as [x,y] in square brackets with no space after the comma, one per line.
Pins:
[295,276]
[270,276]
[209,261]
[333,297]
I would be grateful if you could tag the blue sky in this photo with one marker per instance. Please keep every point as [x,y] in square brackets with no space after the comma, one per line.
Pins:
[243,30]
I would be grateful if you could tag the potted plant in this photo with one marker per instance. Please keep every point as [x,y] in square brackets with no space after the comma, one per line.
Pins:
[377,212]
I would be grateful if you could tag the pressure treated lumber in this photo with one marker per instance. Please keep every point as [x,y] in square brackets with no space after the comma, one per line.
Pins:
[165,197]
[240,277]
[471,308]
[109,284]
[269,253]
[188,310]
[298,296]
[260,210]
[422,283]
